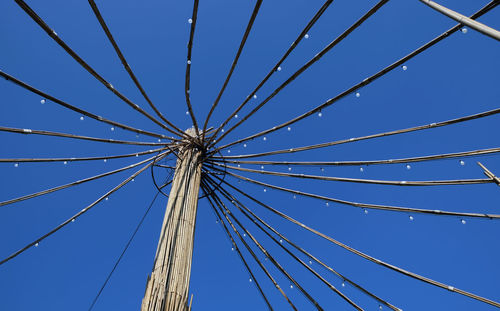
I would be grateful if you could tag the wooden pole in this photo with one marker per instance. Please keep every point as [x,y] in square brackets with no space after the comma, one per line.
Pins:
[168,285]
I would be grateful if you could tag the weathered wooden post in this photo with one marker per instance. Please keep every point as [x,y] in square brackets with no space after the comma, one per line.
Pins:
[167,288]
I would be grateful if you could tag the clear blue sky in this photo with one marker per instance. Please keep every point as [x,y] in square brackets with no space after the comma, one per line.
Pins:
[457,77]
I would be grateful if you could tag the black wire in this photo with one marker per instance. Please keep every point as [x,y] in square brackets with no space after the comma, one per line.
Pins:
[123,252]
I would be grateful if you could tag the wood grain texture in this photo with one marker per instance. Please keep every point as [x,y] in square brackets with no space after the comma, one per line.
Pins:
[167,288]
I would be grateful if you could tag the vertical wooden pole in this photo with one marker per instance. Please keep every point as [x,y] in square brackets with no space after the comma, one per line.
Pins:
[168,285]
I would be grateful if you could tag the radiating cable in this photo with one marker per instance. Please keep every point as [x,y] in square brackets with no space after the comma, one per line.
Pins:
[294,44]
[58,134]
[125,64]
[79,110]
[233,65]
[375,260]
[313,60]
[79,60]
[69,220]
[74,183]
[383,134]
[492,4]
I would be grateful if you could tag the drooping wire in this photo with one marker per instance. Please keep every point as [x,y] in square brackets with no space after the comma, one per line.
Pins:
[492,4]
[117,262]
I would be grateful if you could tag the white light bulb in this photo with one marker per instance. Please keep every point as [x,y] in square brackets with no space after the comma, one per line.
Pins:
[187,113]
[411,217]
[343,284]
[291,286]
[105,160]
[358,94]
[361,169]
[250,280]
[65,162]
[232,248]
[42,101]
[462,162]
[107,198]
[464,30]
[320,114]
[36,244]
[404,67]
[327,204]
[254,95]
[222,130]
[73,220]
[190,21]
[112,128]
[229,151]
[408,166]
[289,168]
[463,221]
[289,129]
[310,262]
[244,145]
[244,234]
[322,169]
[294,196]
[189,62]
[279,68]
[236,116]
[306,36]
[264,138]
[265,190]
[366,211]
[262,167]
[16,164]
[81,118]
